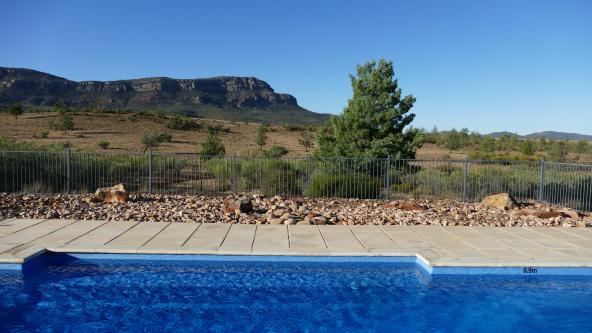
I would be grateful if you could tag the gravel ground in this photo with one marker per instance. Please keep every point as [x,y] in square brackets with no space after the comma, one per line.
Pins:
[279,210]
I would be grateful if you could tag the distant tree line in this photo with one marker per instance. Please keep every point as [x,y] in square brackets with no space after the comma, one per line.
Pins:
[511,147]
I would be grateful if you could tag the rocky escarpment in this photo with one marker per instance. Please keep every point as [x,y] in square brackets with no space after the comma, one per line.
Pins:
[36,88]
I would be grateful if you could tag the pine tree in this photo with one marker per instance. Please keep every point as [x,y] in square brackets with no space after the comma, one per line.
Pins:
[374,122]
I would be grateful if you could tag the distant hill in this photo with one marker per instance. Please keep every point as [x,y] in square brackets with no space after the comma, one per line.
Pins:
[500,134]
[225,97]
[559,136]
[550,135]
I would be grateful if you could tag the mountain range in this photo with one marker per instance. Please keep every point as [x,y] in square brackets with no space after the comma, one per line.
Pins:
[224,97]
[550,135]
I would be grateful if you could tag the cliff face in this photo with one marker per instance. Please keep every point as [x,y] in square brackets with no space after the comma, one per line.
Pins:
[41,89]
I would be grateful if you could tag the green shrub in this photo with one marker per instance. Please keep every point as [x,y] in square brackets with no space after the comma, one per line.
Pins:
[273,177]
[276,151]
[166,137]
[182,123]
[345,186]
[216,128]
[160,114]
[104,144]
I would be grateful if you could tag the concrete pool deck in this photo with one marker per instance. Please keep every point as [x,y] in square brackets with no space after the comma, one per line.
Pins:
[434,246]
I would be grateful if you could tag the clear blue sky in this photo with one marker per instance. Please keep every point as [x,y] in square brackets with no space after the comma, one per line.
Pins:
[512,65]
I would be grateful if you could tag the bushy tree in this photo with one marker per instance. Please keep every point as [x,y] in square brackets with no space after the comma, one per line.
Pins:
[15,110]
[374,122]
[212,146]
[487,144]
[582,147]
[65,122]
[151,140]
[558,151]
[453,140]
[527,148]
[261,136]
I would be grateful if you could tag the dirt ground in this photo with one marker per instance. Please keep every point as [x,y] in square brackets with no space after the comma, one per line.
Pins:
[124,132]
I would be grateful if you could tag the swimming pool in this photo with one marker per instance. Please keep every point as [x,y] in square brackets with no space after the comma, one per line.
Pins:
[259,296]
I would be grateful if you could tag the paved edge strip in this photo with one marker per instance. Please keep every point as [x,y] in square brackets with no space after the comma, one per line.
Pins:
[423,263]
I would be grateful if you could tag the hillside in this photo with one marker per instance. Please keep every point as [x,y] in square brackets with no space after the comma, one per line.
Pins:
[124,133]
[225,97]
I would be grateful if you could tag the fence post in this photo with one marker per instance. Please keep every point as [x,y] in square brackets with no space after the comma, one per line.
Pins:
[465,178]
[542,181]
[308,173]
[388,177]
[150,171]
[234,173]
[68,154]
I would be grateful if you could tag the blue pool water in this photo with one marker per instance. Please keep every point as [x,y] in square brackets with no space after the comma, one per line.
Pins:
[156,296]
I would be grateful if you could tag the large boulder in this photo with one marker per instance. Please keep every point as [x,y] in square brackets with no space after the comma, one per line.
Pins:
[114,194]
[502,201]
[237,205]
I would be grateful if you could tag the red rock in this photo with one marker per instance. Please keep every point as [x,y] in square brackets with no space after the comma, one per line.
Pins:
[542,214]
[406,206]
[502,201]
[114,194]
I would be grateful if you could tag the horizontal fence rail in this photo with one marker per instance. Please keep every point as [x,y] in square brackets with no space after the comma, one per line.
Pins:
[379,178]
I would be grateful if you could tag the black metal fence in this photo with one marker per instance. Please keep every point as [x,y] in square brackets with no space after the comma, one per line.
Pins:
[384,178]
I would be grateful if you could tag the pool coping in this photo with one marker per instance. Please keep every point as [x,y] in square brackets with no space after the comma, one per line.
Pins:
[38,258]
[436,249]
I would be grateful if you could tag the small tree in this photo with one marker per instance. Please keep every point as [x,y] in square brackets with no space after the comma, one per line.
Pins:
[15,110]
[306,140]
[151,140]
[558,151]
[212,146]
[65,122]
[261,136]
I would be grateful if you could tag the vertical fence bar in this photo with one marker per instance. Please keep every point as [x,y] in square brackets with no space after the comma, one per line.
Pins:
[150,171]
[542,181]
[233,173]
[68,154]
[388,177]
[308,173]
[465,178]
